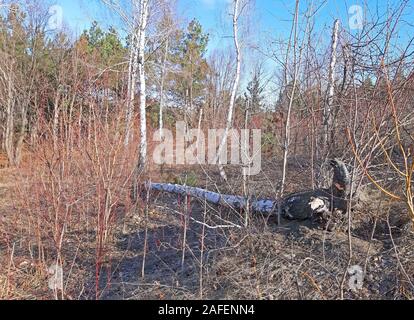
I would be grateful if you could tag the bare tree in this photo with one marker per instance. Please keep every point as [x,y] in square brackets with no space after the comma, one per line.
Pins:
[143,18]
[136,72]
[229,123]
[9,131]
[286,142]
[162,85]
[328,117]
[132,71]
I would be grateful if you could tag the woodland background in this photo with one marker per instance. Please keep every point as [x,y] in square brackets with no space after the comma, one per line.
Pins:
[76,121]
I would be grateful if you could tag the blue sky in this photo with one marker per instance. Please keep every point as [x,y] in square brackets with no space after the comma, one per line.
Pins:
[268,23]
[270,17]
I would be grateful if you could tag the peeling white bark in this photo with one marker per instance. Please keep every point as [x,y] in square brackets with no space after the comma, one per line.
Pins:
[229,123]
[328,117]
[137,71]
[297,206]
[142,83]
[232,201]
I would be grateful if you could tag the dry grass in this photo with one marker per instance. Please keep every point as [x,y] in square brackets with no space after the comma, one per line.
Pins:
[294,261]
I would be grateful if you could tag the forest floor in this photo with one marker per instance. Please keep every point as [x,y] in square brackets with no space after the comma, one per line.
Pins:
[296,260]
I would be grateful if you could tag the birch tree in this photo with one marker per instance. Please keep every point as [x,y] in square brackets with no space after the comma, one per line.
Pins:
[143,18]
[132,73]
[328,116]
[229,123]
[136,73]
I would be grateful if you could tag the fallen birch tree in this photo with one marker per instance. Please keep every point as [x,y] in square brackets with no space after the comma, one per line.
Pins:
[232,201]
[297,206]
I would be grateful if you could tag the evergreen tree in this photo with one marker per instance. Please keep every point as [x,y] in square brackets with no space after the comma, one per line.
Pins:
[189,57]
[255,93]
[104,51]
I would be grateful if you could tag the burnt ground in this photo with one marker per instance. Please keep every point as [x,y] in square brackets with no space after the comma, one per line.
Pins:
[294,261]
[222,258]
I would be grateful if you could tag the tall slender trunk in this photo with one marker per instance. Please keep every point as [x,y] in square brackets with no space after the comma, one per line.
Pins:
[70,124]
[90,110]
[162,97]
[142,83]
[55,128]
[132,79]
[9,135]
[3,123]
[21,136]
[229,123]
[328,115]
[297,59]
[34,122]
[80,123]
[286,141]
[246,191]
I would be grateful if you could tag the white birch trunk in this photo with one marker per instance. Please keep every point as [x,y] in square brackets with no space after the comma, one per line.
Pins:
[229,123]
[328,116]
[132,74]
[299,206]
[232,201]
[142,83]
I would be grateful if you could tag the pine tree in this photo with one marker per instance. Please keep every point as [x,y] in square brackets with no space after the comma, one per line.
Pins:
[189,57]
[255,93]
